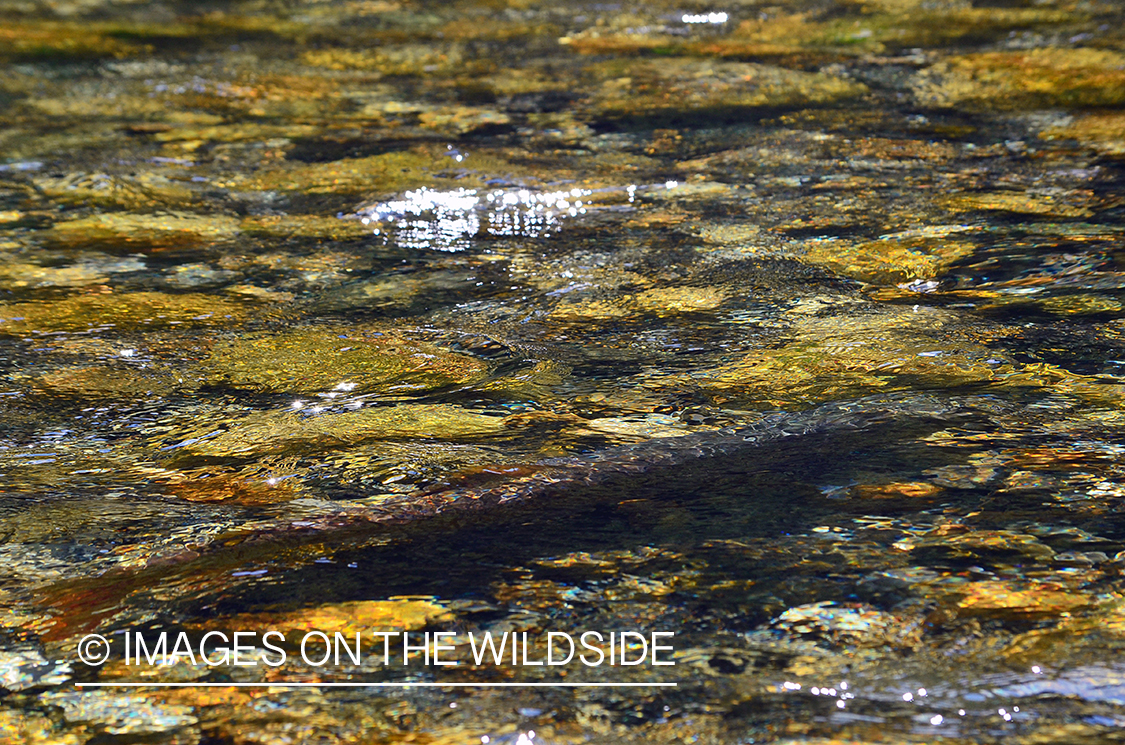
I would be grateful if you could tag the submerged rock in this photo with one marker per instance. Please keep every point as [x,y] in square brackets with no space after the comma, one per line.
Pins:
[1005,598]
[362,617]
[631,87]
[173,229]
[657,302]
[385,173]
[842,624]
[142,191]
[121,311]
[338,358]
[888,260]
[110,382]
[28,669]
[1104,131]
[829,355]
[121,714]
[792,328]
[277,432]
[91,270]
[1046,77]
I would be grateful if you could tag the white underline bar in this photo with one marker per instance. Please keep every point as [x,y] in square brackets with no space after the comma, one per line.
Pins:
[373,685]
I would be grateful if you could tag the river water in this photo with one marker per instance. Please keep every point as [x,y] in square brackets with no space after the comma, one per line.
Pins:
[787,335]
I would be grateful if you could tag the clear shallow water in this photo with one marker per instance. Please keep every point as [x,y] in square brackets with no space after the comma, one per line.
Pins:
[795,332]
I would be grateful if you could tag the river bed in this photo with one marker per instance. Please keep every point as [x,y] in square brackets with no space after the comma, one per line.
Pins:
[787,335]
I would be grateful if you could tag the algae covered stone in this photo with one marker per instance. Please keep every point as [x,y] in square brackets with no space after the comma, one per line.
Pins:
[362,617]
[387,172]
[121,311]
[887,260]
[662,301]
[1051,76]
[830,356]
[160,230]
[637,429]
[632,87]
[108,381]
[287,431]
[1104,131]
[15,274]
[841,624]
[338,358]
[1075,204]
[998,597]
[145,190]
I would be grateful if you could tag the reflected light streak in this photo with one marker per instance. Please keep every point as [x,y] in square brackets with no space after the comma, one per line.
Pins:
[704,17]
[449,220]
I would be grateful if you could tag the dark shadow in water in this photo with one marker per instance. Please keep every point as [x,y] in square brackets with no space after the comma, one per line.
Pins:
[762,492]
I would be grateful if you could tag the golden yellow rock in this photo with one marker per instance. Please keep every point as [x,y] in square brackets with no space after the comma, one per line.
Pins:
[900,490]
[840,356]
[33,728]
[394,614]
[630,87]
[1001,596]
[45,40]
[530,269]
[162,230]
[305,226]
[885,261]
[658,301]
[1063,382]
[1077,205]
[635,429]
[535,383]
[728,235]
[1103,131]
[68,107]
[122,311]
[891,259]
[679,299]
[13,274]
[1090,629]
[287,431]
[871,29]
[957,540]
[338,358]
[1112,620]
[398,59]
[389,172]
[233,132]
[108,381]
[254,485]
[1085,303]
[1045,77]
[260,293]
[143,191]
[462,119]
[775,34]
[203,697]
[341,59]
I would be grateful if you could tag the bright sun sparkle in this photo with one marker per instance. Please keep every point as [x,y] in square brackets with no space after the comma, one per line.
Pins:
[704,18]
[448,220]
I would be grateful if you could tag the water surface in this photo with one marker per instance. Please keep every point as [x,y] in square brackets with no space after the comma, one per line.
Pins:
[794,329]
